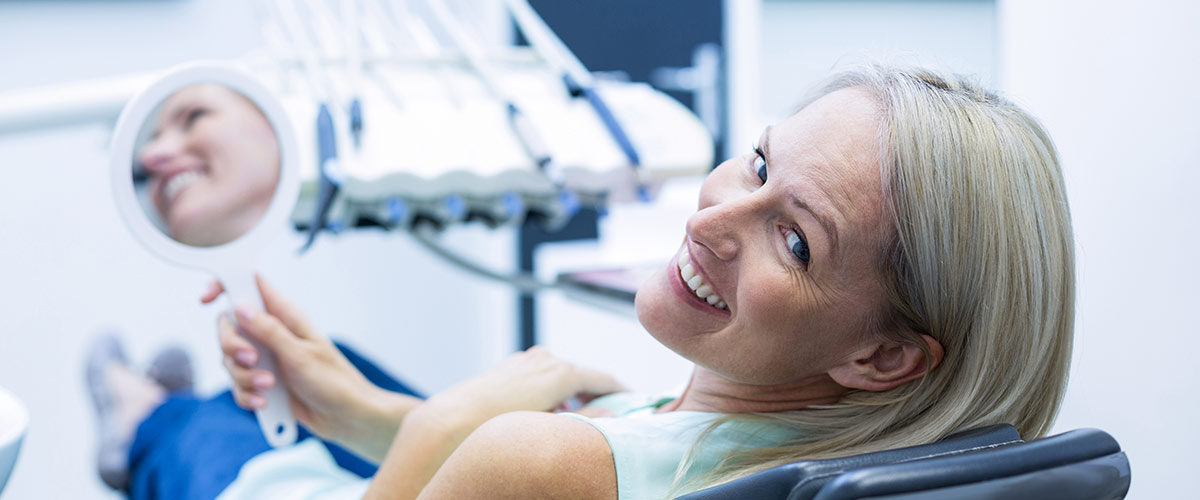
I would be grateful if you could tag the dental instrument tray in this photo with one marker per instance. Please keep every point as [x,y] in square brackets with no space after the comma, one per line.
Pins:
[417,120]
[449,154]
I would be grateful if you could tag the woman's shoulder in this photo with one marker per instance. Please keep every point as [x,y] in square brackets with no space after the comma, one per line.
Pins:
[529,455]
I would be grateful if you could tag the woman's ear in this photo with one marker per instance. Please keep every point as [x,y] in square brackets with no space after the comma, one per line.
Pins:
[885,365]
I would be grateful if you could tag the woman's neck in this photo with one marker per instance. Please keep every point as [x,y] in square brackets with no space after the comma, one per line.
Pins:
[710,392]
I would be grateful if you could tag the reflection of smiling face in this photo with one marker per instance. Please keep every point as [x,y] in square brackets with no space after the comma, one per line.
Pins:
[790,241]
[213,164]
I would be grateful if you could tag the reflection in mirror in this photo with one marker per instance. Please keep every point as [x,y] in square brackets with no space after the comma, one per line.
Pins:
[206,165]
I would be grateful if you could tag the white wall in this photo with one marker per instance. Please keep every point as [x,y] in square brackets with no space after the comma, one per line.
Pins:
[1116,83]
[802,40]
[68,269]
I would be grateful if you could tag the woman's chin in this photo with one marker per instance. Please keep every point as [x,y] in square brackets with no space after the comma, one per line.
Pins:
[644,298]
[192,229]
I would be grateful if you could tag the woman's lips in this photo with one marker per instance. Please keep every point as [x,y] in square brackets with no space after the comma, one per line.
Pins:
[174,184]
[686,294]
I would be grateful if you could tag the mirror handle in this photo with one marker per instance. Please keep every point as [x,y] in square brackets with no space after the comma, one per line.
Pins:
[276,421]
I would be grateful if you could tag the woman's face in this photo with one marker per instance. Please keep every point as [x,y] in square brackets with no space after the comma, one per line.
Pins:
[213,164]
[793,259]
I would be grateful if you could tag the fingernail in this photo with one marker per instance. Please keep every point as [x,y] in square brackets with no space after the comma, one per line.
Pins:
[257,402]
[261,381]
[245,313]
[246,358]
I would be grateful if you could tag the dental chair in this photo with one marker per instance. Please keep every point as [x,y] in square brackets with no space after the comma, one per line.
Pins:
[986,463]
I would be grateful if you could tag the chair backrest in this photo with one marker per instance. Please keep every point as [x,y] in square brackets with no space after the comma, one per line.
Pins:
[803,480]
[1080,464]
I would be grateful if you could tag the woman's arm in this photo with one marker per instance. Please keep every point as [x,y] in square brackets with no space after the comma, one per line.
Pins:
[514,456]
[527,381]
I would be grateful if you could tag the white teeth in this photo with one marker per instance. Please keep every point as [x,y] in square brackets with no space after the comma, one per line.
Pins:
[178,182]
[696,283]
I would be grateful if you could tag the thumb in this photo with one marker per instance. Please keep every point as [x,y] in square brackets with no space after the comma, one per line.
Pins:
[214,290]
[597,382]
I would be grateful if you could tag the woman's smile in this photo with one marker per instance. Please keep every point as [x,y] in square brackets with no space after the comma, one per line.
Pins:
[171,186]
[686,274]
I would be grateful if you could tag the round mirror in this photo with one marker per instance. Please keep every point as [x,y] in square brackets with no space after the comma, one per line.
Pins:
[206,165]
[204,174]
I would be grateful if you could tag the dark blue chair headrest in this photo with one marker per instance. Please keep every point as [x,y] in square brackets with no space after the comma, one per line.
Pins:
[802,480]
[1081,464]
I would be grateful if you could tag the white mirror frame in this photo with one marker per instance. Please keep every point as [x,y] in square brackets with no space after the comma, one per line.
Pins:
[232,262]
[134,117]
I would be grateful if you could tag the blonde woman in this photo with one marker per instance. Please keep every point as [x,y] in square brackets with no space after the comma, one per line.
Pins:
[890,265]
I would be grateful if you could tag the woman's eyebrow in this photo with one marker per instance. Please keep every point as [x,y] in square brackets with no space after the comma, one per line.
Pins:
[164,119]
[825,222]
[177,113]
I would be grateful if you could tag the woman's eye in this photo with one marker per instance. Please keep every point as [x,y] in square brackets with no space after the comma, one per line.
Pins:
[193,115]
[798,246]
[760,165]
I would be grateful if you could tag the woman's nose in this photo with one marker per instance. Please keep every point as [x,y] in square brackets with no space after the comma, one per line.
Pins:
[156,155]
[720,227]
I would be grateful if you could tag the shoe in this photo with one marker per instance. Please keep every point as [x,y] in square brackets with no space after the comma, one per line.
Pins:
[172,369]
[113,457]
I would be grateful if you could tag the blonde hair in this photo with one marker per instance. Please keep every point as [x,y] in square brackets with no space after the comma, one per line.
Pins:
[982,259]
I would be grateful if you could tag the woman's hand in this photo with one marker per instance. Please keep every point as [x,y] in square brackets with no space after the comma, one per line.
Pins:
[531,381]
[327,394]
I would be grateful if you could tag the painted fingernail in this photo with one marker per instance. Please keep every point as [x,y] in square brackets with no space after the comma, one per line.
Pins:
[261,380]
[245,313]
[257,402]
[246,358]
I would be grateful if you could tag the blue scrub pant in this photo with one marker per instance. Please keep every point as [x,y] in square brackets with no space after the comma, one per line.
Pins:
[190,448]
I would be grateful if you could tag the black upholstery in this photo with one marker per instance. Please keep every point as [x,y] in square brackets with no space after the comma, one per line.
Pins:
[1080,464]
[803,480]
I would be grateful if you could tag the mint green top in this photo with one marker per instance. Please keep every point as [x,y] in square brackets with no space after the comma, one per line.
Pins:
[649,447]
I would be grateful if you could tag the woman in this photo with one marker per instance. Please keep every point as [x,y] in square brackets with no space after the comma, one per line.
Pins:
[212,160]
[890,265]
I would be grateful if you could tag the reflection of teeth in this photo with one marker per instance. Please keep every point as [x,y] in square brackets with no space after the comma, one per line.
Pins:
[696,283]
[180,181]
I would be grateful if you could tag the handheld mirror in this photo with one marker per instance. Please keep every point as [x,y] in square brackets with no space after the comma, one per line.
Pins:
[204,172]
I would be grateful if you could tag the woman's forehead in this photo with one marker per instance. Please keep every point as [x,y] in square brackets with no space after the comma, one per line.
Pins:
[209,95]
[841,127]
[828,153]
[195,94]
